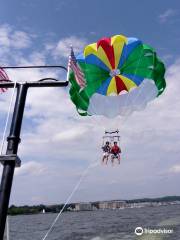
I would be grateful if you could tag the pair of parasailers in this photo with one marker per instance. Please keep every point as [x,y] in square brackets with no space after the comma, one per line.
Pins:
[113,150]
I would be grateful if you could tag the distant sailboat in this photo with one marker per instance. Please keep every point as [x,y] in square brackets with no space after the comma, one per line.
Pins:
[43,211]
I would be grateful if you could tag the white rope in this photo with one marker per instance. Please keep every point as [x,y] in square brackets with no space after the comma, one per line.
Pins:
[7,118]
[94,164]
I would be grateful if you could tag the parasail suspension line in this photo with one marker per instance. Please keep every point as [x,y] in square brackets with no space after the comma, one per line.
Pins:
[76,187]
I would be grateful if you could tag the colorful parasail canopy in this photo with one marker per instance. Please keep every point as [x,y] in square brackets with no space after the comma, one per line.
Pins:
[122,75]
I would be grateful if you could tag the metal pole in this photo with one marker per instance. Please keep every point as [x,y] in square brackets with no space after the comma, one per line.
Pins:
[12,147]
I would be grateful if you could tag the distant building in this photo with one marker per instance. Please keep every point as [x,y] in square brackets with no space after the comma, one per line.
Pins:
[83,207]
[112,204]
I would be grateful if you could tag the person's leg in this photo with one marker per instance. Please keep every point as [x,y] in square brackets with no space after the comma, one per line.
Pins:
[107,156]
[119,158]
[103,158]
[112,159]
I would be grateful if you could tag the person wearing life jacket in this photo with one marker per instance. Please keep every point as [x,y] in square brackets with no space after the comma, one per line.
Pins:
[115,151]
[106,151]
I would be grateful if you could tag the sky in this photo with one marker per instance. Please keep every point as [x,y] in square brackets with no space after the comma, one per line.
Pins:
[57,145]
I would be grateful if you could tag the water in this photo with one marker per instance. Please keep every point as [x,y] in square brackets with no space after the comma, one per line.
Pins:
[99,225]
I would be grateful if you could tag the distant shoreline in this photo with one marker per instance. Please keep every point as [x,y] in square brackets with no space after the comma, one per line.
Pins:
[96,205]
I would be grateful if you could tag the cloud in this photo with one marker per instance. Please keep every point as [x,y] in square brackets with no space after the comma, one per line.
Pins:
[150,145]
[71,134]
[62,48]
[57,144]
[31,168]
[175,169]
[55,122]
[165,16]
[12,44]
[13,39]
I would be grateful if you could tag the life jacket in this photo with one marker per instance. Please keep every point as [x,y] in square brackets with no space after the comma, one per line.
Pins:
[115,149]
[106,148]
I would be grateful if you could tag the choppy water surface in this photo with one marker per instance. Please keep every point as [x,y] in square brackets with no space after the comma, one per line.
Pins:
[99,225]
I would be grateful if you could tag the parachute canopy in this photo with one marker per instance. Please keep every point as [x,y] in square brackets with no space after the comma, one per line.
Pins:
[122,75]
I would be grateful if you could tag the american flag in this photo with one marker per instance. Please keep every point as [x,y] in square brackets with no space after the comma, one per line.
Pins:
[3,78]
[74,66]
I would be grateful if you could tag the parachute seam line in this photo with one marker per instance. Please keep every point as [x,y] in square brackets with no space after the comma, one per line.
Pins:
[134,78]
[141,91]
[84,173]
[124,62]
[136,98]
[7,118]
[126,102]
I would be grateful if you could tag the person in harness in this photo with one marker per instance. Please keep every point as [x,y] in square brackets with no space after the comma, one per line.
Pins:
[106,151]
[115,151]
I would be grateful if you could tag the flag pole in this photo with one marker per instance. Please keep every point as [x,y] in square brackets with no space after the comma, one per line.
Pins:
[68,66]
[68,71]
